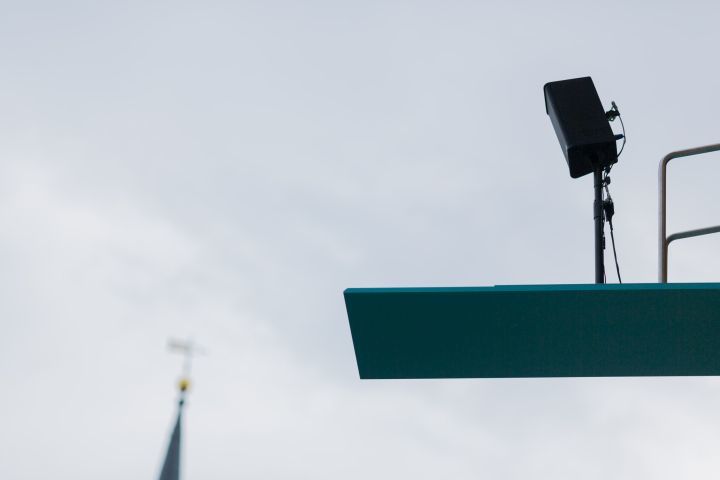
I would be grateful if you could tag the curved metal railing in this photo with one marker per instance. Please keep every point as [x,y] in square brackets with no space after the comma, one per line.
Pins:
[663,239]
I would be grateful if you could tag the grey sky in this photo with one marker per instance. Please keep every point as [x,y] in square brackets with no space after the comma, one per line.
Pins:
[226,169]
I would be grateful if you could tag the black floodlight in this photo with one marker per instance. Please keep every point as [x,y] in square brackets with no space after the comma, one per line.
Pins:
[581,125]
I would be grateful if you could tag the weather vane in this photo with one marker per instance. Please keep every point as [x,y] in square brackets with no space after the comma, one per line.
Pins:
[188,349]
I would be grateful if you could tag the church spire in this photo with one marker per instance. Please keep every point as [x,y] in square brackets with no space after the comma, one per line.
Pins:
[171,465]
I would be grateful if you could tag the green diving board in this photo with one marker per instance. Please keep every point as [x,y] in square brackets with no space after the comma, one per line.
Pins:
[536,331]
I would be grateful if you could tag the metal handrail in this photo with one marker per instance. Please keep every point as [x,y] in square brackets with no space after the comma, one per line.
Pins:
[663,239]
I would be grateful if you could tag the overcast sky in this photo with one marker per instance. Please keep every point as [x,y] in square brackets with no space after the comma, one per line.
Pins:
[223,170]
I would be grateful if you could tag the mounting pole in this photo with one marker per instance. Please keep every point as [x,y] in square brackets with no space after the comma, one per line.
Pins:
[599,230]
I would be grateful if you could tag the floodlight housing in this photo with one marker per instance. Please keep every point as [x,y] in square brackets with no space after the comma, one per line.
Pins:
[581,125]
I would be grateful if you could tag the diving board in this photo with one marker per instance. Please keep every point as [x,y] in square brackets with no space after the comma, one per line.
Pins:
[536,331]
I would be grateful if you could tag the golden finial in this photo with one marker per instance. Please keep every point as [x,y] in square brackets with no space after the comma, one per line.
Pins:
[184,384]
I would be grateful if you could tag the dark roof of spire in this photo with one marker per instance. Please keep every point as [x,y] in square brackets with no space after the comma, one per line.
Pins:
[171,466]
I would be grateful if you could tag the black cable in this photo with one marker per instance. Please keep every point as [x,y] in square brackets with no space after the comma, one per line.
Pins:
[612,238]
[611,115]
[608,205]
[609,210]
[604,216]
[622,147]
